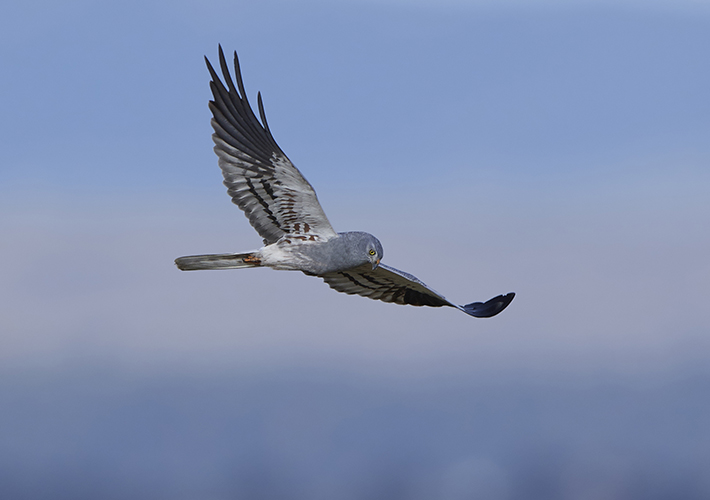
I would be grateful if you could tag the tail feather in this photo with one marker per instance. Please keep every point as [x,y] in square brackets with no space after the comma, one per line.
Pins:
[218,261]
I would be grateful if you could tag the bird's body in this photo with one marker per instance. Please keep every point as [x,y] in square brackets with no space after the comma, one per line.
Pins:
[283,208]
[339,253]
[316,258]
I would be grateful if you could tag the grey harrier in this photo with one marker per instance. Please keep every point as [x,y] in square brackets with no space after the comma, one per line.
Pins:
[283,208]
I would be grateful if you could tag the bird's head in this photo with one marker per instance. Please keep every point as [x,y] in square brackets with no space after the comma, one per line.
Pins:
[373,250]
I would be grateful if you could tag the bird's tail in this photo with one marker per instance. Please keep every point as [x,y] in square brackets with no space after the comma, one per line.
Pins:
[219,261]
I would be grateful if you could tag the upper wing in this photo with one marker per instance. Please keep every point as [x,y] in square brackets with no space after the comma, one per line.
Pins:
[261,180]
[392,285]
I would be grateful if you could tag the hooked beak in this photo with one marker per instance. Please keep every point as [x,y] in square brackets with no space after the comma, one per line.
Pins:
[375,264]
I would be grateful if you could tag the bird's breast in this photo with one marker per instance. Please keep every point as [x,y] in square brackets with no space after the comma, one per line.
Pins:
[318,257]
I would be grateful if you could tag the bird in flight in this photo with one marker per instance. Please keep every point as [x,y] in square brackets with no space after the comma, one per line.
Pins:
[283,208]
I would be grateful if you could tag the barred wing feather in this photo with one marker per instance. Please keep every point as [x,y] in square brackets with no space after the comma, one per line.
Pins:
[262,181]
[392,285]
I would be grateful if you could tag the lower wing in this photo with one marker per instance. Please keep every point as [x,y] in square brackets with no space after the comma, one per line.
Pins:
[392,285]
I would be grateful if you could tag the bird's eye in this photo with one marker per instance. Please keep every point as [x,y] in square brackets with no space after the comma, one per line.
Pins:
[372,252]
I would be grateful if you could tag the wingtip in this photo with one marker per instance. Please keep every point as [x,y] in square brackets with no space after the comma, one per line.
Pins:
[489,308]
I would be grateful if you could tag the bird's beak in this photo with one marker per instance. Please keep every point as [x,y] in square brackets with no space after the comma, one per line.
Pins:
[375,264]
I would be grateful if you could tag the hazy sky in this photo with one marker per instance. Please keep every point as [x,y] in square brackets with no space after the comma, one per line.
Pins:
[556,150]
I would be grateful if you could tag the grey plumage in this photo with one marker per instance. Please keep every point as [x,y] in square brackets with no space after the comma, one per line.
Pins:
[217,261]
[283,208]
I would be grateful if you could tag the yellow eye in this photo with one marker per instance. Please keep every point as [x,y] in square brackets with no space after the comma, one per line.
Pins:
[372,252]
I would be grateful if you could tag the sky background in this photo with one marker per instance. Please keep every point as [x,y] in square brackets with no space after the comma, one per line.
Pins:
[560,150]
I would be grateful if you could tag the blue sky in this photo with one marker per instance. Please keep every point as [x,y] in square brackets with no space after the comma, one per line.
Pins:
[557,150]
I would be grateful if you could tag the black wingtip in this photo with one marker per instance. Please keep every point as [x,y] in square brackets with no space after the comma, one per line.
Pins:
[490,308]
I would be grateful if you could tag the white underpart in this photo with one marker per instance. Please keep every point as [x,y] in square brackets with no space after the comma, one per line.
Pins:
[282,256]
